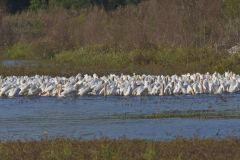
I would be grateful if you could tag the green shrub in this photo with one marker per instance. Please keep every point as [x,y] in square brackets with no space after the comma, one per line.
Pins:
[232,8]
[76,4]
[20,51]
[142,57]
[93,57]
[37,26]
[38,4]
[230,63]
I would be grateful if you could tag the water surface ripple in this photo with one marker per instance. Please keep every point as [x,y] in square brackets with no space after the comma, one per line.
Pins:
[94,117]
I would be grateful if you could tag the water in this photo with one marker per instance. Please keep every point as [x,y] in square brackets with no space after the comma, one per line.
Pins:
[16,63]
[95,117]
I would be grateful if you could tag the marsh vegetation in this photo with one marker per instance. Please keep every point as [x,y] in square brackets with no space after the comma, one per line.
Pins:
[67,37]
[105,149]
[148,36]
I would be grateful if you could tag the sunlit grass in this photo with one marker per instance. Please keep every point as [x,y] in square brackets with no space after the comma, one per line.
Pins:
[103,60]
[19,51]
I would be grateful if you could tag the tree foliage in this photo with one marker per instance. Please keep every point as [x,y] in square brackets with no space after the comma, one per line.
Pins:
[75,4]
[19,5]
[14,6]
[106,4]
[38,4]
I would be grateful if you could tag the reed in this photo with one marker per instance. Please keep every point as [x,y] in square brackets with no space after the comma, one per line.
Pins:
[106,149]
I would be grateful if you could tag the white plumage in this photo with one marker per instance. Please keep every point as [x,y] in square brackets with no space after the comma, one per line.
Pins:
[123,85]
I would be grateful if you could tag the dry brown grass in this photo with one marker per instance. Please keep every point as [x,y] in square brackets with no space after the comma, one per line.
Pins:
[104,149]
[154,37]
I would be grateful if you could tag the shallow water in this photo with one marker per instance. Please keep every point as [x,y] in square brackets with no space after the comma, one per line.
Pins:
[16,63]
[94,117]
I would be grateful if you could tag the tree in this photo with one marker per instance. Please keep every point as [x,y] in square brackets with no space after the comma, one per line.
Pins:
[113,4]
[106,4]
[14,6]
[3,4]
[76,4]
[38,4]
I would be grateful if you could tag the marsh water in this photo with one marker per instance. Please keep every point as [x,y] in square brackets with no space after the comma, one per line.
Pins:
[16,63]
[96,117]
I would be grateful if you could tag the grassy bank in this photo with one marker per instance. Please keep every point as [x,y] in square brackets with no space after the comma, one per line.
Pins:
[104,149]
[103,60]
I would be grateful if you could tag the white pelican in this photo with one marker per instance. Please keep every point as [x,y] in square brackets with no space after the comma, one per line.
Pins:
[123,85]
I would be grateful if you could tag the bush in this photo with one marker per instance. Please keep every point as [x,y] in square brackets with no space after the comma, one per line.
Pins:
[15,6]
[142,57]
[38,4]
[20,51]
[70,4]
[94,57]
[106,4]
[232,9]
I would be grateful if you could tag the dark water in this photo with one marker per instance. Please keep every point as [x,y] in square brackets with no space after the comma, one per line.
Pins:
[94,117]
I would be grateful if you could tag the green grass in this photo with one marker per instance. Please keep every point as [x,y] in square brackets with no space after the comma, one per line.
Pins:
[93,57]
[198,114]
[122,149]
[19,51]
[103,59]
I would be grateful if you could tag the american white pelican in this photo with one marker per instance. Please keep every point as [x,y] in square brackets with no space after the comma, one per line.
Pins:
[123,85]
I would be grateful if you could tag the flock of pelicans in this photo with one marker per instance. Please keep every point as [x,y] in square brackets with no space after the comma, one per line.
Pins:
[123,85]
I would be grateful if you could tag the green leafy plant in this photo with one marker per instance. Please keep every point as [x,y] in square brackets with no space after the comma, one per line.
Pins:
[19,51]
[38,4]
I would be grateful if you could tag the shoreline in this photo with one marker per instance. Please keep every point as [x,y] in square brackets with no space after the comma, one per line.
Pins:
[166,61]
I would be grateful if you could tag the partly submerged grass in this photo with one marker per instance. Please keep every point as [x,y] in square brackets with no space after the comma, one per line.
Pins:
[123,149]
[197,114]
[190,114]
